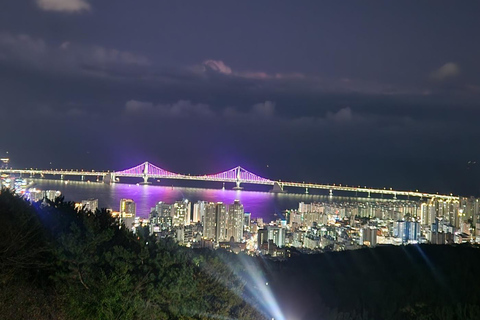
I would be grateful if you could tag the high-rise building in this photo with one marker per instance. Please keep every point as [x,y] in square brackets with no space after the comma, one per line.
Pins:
[221,222]
[199,211]
[406,231]
[247,218]
[128,212]
[277,234]
[52,194]
[164,209]
[368,236]
[181,213]
[262,237]
[160,218]
[210,221]
[215,222]
[90,204]
[235,221]
[271,233]
[128,208]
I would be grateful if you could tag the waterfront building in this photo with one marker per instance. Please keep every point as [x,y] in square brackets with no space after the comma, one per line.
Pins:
[90,204]
[127,212]
[51,194]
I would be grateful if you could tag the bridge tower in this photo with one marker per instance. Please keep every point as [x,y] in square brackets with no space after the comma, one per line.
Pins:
[145,173]
[109,178]
[238,178]
[277,187]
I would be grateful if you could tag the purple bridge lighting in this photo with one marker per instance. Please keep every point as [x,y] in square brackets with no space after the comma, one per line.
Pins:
[236,175]
[147,170]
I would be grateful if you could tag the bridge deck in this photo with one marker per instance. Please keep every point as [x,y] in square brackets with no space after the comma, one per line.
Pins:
[236,175]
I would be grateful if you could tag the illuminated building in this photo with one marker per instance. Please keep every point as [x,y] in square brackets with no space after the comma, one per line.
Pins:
[160,218]
[209,224]
[215,223]
[90,205]
[127,212]
[4,163]
[247,218]
[51,194]
[406,231]
[221,222]
[181,213]
[368,236]
[235,221]
[273,233]
[199,211]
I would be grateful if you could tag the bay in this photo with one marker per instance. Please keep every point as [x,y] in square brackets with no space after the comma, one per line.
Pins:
[261,204]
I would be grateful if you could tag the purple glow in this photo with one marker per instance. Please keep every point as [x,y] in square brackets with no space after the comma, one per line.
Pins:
[235,174]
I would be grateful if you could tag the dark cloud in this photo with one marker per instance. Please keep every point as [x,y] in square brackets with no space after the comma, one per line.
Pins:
[63,5]
[448,70]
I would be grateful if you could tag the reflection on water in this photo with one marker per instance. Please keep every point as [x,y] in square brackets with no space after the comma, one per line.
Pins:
[266,205]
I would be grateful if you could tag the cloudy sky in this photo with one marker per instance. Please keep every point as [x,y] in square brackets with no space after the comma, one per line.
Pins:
[355,92]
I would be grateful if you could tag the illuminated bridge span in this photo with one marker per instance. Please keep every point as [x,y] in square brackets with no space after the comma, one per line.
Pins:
[237,175]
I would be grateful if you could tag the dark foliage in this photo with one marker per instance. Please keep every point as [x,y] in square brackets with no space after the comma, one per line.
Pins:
[410,282]
[60,263]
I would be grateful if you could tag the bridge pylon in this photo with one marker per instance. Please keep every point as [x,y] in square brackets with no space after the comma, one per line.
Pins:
[238,179]
[277,188]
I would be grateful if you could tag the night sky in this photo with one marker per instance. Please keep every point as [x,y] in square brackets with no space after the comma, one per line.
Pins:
[383,94]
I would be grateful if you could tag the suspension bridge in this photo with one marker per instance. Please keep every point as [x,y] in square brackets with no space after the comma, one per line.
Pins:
[237,175]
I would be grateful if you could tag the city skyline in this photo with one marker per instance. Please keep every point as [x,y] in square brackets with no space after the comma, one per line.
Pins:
[358,94]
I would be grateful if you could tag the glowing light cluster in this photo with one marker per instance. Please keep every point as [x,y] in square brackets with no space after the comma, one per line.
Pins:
[238,174]
[147,169]
[232,175]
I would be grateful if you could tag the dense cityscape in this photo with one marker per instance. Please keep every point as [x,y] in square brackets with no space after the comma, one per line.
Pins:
[310,228]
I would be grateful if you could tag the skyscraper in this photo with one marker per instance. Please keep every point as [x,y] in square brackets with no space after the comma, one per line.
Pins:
[221,222]
[247,218]
[90,204]
[199,211]
[127,208]
[235,221]
[210,220]
[181,213]
[160,217]
[215,222]
[127,212]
